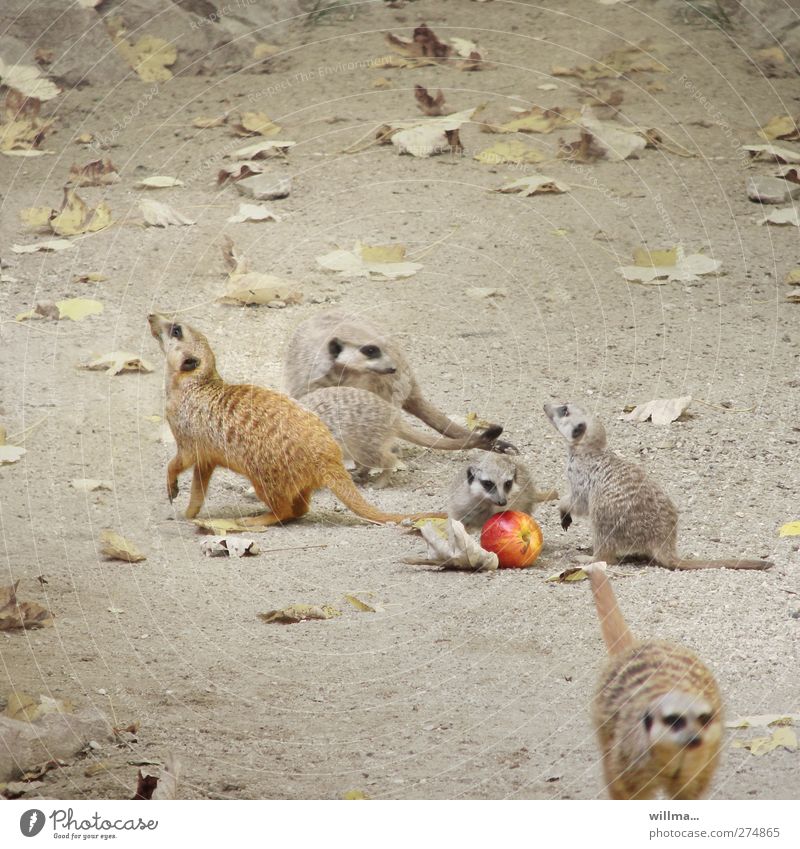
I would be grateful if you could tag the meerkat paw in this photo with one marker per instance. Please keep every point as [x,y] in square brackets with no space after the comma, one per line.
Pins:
[566,519]
[500,446]
[172,491]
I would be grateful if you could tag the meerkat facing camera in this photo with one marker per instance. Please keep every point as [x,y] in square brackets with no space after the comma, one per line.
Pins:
[335,348]
[366,427]
[657,711]
[286,451]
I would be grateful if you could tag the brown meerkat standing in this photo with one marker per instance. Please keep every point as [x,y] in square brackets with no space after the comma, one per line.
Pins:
[366,427]
[630,514]
[286,451]
[657,711]
[335,348]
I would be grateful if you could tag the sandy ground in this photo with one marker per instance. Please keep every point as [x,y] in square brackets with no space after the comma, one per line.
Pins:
[460,685]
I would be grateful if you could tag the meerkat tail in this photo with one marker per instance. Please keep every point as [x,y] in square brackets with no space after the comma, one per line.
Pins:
[476,438]
[612,624]
[547,495]
[344,489]
[721,564]
[435,418]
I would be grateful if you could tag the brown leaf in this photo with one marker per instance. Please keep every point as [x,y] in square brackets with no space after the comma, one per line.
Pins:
[238,171]
[299,613]
[429,105]
[145,786]
[100,172]
[26,614]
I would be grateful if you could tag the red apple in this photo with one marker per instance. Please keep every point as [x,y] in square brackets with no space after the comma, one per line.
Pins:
[514,537]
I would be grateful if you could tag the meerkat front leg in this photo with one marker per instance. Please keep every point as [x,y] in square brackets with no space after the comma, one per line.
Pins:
[176,465]
[565,511]
[200,479]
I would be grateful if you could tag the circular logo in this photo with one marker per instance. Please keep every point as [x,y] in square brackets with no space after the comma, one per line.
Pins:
[31,822]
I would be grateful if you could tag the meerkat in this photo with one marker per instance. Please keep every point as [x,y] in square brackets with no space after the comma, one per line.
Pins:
[491,485]
[630,514]
[657,711]
[338,349]
[286,451]
[366,427]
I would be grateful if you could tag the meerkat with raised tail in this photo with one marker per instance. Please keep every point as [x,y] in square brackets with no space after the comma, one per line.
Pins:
[335,348]
[657,711]
[490,485]
[630,514]
[366,427]
[284,450]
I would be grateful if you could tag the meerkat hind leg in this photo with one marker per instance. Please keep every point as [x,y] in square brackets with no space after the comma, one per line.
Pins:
[176,465]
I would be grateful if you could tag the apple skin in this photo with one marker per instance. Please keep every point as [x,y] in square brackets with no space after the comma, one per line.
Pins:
[514,537]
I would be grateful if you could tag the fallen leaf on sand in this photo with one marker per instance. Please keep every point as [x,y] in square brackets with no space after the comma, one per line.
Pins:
[534,184]
[91,485]
[422,44]
[238,171]
[150,57]
[158,183]
[99,172]
[457,551]
[684,268]
[84,138]
[29,81]
[482,293]
[118,548]
[773,62]
[355,794]
[662,411]
[254,124]
[263,50]
[611,141]
[772,153]
[617,63]
[77,217]
[203,122]
[263,149]
[50,245]
[382,82]
[161,215]
[300,613]
[788,215]
[164,787]
[36,217]
[89,277]
[221,546]
[118,362]
[20,614]
[17,789]
[370,260]
[568,576]
[782,127]
[473,421]
[536,120]
[252,212]
[10,453]
[222,527]
[75,309]
[24,708]
[792,277]
[254,288]
[359,605]
[781,738]
[426,136]
[427,103]
[764,720]
[790,529]
[513,152]
[21,130]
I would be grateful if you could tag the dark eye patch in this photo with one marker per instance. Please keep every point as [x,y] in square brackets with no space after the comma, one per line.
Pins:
[487,485]
[579,430]
[508,486]
[562,411]
[675,721]
[704,718]
[334,347]
[648,722]
[371,352]
[175,331]
[190,364]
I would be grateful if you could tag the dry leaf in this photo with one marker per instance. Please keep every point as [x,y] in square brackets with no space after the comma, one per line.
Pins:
[792,277]
[781,738]
[790,529]
[254,288]
[382,82]
[764,720]
[482,293]
[568,576]
[788,215]
[423,43]
[22,131]
[368,260]
[238,171]
[29,81]
[158,183]
[50,245]
[84,138]
[458,551]
[161,215]
[203,122]
[536,120]
[118,548]
[617,63]
[300,613]
[685,268]
[263,50]
[222,546]
[222,527]
[514,152]
[263,149]
[100,172]
[252,212]
[772,153]
[429,105]
[772,61]
[89,277]
[660,257]
[355,794]
[118,362]
[76,217]
[91,485]
[359,605]
[10,454]
[36,217]
[254,124]
[427,136]
[535,184]
[75,309]
[662,411]
[20,614]
[782,127]
[25,708]
[150,57]
[609,141]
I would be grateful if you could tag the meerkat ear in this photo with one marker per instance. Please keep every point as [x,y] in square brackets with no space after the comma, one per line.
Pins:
[470,474]
[579,430]
[190,364]
[334,348]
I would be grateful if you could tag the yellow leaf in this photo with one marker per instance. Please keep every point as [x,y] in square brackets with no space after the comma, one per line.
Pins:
[203,122]
[220,527]
[537,120]
[89,277]
[36,216]
[149,57]
[382,253]
[568,576]
[780,127]
[300,613]
[439,525]
[655,259]
[117,547]
[255,123]
[382,82]
[263,50]
[509,152]
[782,737]
[78,308]
[76,217]
[793,277]
[355,794]
[154,419]
[790,529]
[359,605]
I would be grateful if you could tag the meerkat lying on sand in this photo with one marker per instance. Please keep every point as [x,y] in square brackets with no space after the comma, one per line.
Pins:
[630,514]
[338,349]
[657,711]
[286,451]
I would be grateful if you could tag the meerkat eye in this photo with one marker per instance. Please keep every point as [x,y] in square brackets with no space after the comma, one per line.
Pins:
[704,718]
[487,485]
[190,364]
[176,331]
[508,486]
[334,347]
[675,721]
[648,721]
[562,411]
[371,352]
